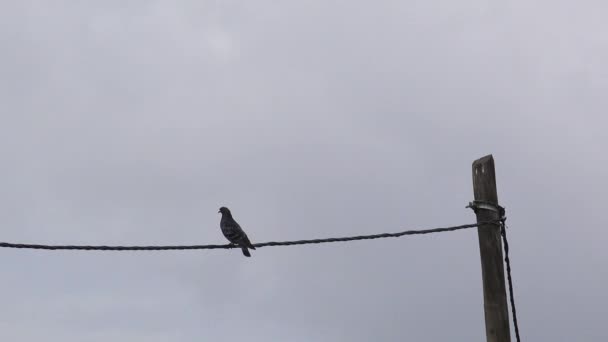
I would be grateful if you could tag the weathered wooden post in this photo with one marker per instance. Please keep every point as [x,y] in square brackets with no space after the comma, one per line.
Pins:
[490,248]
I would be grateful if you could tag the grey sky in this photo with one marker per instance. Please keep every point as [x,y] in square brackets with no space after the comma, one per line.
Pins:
[132,122]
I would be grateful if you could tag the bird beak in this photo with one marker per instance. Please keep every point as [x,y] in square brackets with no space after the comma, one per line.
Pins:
[219,211]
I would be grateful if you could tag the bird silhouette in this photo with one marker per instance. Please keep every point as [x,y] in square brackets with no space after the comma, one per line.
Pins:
[233,231]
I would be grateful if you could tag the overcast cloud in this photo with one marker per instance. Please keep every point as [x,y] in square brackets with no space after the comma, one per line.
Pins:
[132,122]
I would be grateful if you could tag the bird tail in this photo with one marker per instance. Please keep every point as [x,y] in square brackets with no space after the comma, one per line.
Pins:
[246,252]
[248,243]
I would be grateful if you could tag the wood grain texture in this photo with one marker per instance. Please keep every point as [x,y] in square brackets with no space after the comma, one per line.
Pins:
[490,248]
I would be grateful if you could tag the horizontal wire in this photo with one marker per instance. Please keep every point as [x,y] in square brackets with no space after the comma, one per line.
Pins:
[257,245]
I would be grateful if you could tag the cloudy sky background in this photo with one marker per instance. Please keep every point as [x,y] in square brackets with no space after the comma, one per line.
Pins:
[131,122]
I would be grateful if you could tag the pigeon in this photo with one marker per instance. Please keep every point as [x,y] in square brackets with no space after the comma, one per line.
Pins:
[233,231]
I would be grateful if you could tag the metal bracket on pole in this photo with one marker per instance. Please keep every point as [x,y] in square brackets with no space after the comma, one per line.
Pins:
[485,205]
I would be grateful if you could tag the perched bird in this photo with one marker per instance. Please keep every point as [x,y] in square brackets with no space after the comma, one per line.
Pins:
[233,231]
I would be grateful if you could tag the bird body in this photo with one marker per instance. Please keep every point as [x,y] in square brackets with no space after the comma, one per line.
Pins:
[233,231]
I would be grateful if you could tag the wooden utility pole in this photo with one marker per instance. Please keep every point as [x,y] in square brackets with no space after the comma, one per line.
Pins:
[490,248]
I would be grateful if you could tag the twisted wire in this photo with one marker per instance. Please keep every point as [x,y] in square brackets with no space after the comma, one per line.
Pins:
[228,246]
[503,232]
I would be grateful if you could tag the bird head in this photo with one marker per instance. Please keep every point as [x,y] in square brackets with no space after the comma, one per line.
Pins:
[224,210]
